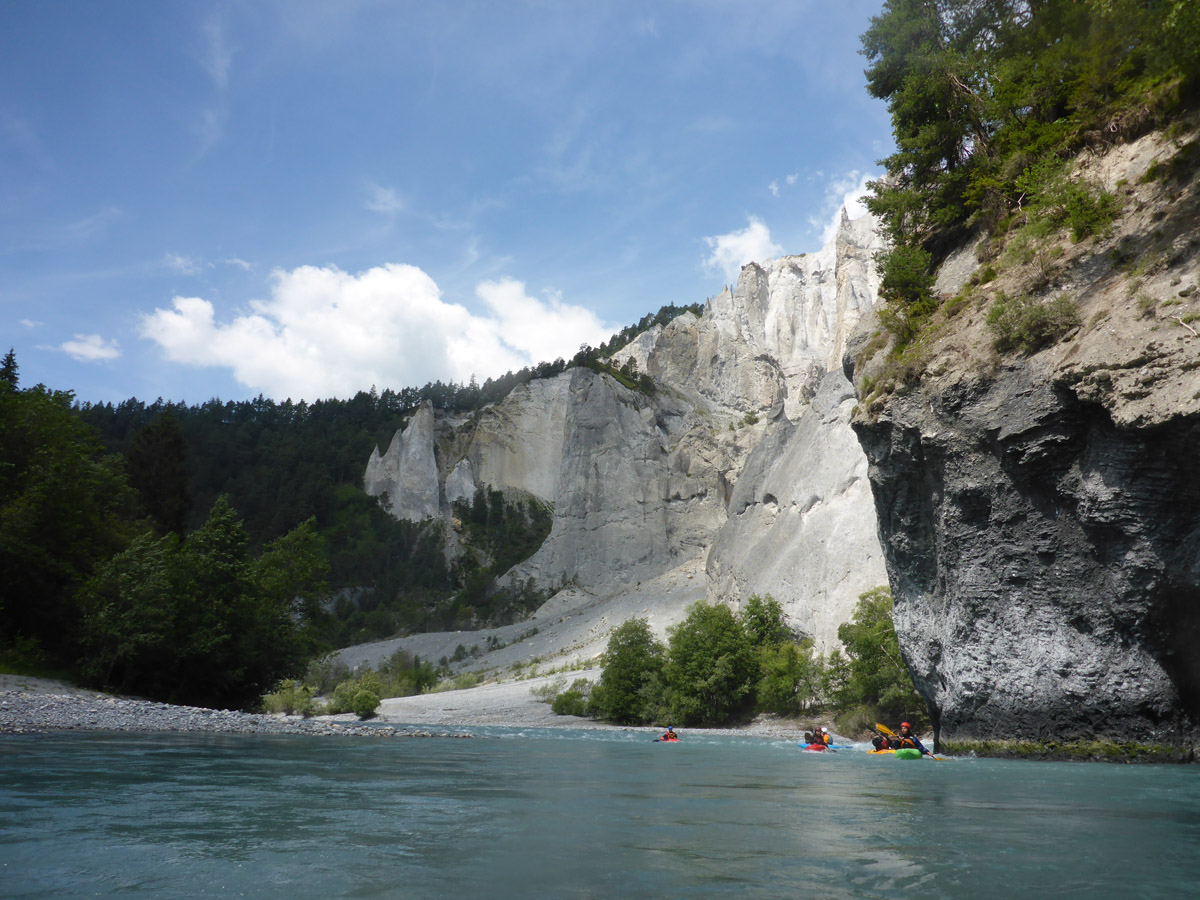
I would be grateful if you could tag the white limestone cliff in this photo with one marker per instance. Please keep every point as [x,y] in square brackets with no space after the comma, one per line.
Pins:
[742,460]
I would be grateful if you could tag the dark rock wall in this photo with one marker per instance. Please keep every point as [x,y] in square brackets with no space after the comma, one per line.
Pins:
[1045,563]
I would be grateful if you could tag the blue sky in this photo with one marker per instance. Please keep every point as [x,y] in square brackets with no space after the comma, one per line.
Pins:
[305,199]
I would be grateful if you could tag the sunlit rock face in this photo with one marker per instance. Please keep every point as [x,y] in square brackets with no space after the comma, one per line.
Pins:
[741,456]
[407,473]
[1045,562]
[800,524]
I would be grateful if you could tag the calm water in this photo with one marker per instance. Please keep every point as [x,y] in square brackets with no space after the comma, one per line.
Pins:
[573,814]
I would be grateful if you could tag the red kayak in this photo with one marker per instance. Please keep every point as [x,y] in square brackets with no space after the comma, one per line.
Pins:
[815,748]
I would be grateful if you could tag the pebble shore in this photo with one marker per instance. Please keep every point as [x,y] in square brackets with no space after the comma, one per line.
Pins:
[26,712]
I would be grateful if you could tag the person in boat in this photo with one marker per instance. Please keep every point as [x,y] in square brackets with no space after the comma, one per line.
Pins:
[669,734]
[881,741]
[908,739]
[818,735]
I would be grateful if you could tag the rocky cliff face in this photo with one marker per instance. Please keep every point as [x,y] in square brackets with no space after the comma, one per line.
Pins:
[642,485]
[1040,515]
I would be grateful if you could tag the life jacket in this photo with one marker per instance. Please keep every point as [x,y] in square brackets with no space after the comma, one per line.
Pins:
[907,743]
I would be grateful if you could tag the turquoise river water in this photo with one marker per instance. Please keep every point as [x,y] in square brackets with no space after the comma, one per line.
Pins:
[576,814]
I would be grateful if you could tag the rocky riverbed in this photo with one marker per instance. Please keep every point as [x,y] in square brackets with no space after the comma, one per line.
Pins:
[33,706]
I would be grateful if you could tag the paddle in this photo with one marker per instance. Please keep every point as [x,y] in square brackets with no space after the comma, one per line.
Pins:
[890,733]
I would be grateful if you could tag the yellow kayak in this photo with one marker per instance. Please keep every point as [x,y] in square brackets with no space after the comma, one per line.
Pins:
[903,753]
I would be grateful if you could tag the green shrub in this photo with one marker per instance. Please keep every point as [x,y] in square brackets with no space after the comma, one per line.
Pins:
[857,719]
[906,275]
[291,698]
[342,700]
[1089,209]
[326,673]
[790,679]
[574,701]
[1027,324]
[364,704]
[711,666]
[545,693]
[632,663]
[1055,200]
[878,675]
[570,703]
[466,680]
[764,622]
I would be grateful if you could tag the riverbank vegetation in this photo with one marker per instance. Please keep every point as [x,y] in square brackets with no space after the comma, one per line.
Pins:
[720,667]
[1075,751]
[402,674]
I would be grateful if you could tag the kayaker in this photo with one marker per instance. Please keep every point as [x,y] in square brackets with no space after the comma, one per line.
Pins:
[669,734]
[908,739]
[881,741]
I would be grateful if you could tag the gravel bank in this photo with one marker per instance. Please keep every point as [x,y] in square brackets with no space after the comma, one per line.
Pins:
[36,707]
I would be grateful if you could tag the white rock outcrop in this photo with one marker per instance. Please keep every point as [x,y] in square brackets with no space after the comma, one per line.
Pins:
[742,458]
[407,473]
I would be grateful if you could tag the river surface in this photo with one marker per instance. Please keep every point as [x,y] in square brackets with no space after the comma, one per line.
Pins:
[576,814]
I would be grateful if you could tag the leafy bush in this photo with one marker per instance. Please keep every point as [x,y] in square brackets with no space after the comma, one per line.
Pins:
[631,678]
[791,680]
[878,676]
[1055,199]
[764,622]
[545,693]
[574,701]
[364,704]
[1027,324]
[466,680]
[711,666]
[291,698]
[326,673]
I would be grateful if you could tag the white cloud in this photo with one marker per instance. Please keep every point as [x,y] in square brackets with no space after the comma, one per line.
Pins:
[216,56]
[326,333]
[542,331]
[185,265]
[849,191]
[240,263]
[733,250]
[790,180]
[90,348]
[383,200]
[30,323]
